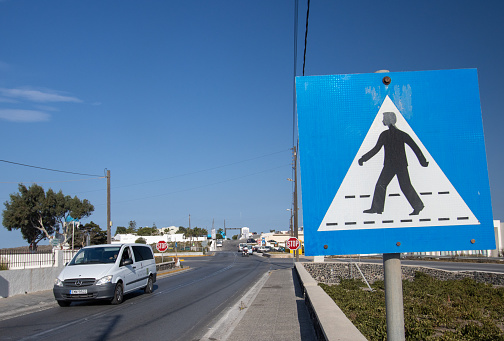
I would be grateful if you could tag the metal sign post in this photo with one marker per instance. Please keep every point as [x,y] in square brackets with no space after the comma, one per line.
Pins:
[162,246]
[293,244]
[393,296]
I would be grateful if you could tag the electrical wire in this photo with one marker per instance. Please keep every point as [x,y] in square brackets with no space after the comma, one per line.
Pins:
[294,106]
[306,35]
[48,169]
[48,182]
[192,173]
[202,186]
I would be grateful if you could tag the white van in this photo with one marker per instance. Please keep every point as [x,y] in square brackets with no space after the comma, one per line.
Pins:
[106,272]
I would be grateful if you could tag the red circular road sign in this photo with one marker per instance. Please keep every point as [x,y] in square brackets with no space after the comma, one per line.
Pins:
[293,243]
[162,246]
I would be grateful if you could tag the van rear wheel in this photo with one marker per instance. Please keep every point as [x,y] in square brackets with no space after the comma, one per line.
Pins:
[118,294]
[149,287]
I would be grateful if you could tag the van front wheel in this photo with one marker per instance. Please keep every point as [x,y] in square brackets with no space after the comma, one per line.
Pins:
[150,286]
[118,294]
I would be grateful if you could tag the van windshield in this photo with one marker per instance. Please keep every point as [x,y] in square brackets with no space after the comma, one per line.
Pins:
[96,255]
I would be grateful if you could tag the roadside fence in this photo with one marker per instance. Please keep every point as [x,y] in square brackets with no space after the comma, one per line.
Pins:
[28,259]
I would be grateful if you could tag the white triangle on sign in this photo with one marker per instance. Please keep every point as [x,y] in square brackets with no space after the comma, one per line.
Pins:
[443,206]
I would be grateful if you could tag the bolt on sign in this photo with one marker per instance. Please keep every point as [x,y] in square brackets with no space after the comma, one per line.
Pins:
[393,162]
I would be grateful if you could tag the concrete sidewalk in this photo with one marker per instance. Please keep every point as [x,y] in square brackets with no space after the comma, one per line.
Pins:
[277,313]
[20,305]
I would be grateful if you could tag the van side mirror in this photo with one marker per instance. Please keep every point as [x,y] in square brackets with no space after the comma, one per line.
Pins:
[128,261]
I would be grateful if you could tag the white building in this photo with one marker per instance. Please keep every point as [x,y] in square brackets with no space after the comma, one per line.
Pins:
[280,237]
[499,239]
[245,233]
[131,238]
[168,230]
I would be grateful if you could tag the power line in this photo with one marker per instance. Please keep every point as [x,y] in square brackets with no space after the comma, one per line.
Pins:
[48,169]
[48,182]
[202,170]
[202,186]
[306,35]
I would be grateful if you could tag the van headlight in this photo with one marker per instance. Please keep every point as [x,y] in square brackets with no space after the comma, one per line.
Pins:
[58,282]
[104,280]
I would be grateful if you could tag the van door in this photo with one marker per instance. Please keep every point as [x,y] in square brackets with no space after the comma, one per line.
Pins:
[143,257]
[128,271]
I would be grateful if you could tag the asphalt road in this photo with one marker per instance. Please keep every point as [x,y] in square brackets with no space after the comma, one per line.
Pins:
[182,307]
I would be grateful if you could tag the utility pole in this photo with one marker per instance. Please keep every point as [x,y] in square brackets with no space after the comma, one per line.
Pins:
[295,201]
[109,234]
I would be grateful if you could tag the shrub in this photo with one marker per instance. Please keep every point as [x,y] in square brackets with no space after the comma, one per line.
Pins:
[433,309]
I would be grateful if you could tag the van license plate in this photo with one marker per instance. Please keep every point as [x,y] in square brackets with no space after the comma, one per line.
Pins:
[78,292]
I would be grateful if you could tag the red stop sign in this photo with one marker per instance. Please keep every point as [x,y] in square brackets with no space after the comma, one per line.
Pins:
[293,243]
[162,246]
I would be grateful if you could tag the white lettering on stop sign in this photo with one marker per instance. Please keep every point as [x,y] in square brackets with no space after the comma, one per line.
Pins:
[162,246]
[293,243]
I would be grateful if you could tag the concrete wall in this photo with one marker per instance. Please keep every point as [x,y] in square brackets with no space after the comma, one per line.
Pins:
[332,273]
[16,282]
[329,321]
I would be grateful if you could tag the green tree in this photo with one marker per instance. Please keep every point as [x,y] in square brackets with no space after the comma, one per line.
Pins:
[96,235]
[121,230]
[146,231]
[141,241]
[132,227]
[38,214]
[68,209]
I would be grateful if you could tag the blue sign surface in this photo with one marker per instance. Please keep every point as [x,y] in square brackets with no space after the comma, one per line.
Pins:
[393,165]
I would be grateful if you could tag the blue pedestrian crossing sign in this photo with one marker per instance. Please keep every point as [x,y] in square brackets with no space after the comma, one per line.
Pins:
[393,162]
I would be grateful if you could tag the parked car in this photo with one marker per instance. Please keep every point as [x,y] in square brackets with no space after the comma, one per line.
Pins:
[106,272]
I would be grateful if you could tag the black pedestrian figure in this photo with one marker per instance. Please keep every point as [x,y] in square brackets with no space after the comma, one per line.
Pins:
[395,163]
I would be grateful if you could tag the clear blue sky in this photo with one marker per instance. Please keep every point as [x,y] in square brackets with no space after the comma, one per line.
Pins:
[189,104]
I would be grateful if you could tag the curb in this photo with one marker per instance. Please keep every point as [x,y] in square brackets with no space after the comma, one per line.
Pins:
[328,318]
[173,272]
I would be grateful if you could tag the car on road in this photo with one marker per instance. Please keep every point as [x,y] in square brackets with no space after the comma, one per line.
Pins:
[264,249]
[106,272]
[219,243]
